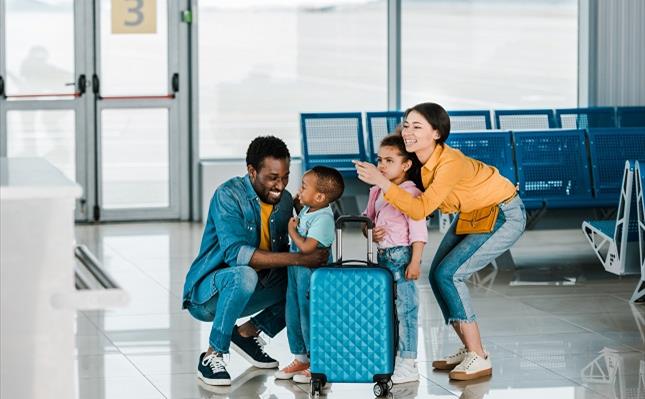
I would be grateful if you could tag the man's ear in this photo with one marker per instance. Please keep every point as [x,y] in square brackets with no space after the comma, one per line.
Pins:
[251,170]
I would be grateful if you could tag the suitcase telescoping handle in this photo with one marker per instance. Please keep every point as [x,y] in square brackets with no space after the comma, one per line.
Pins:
[340,222]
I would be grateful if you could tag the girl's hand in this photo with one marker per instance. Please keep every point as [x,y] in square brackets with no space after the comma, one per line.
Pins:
[371,175]
[378,234]
[412,271]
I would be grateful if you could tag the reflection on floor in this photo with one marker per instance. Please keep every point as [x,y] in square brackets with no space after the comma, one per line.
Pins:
[556,327]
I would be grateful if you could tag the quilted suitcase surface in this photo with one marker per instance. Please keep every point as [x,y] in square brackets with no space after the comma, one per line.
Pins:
[352,321]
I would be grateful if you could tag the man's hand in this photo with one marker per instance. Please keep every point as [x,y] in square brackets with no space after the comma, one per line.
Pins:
[315,259]
[412,271]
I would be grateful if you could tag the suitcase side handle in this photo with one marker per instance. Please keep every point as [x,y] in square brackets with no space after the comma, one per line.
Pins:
[340,222]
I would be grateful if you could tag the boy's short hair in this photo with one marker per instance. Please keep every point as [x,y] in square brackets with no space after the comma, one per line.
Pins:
[329,181]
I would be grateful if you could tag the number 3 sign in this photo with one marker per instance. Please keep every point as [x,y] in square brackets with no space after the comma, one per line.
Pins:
[134,16]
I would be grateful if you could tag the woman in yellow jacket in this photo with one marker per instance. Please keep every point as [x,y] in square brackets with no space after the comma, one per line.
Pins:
[491,219]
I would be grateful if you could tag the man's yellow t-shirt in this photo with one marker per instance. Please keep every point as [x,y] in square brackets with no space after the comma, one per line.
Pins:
[265,235]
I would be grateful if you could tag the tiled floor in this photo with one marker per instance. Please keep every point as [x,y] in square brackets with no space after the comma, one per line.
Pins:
[558,326]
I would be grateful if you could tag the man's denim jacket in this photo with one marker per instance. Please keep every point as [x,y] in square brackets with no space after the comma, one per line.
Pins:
[232,232]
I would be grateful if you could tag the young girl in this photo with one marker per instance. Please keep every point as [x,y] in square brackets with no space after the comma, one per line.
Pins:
[400,246]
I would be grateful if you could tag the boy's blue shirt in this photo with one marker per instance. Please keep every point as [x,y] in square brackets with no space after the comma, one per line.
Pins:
[232,231]
[318,225]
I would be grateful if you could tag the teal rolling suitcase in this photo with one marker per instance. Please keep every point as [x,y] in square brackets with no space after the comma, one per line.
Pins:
[353,321]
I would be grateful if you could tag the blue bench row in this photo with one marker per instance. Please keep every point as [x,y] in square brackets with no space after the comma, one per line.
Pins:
[321,132]
[556,168]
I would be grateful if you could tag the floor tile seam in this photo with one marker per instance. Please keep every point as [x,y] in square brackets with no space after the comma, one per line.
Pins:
[100,332]
[144,375]
[573,323]
[635,349]
[514,299]
[600,333]
[127,358]
[133,263]
[449,392]
[542,367]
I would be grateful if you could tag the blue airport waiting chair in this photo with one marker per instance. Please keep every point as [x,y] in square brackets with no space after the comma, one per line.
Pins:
[494,148]
[639,185]
[631,116]
[469,120]
[552,168]
[615,242]
[332,139]
[584,118]
[609,149]
[379,125]
[525,119]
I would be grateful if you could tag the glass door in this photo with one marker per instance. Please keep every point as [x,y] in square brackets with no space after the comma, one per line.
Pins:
[93,86]
[43,86]
[137,113]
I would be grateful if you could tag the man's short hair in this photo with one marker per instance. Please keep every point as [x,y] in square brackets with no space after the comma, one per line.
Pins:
[265,146]
[329,181]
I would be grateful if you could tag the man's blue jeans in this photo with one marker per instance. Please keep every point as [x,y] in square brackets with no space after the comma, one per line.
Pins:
[407,302]
[227,294]
[297,312]
[459,256]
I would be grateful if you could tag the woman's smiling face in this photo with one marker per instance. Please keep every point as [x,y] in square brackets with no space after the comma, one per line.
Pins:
[418,134]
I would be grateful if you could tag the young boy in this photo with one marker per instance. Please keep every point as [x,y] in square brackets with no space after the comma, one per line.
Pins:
[313,228]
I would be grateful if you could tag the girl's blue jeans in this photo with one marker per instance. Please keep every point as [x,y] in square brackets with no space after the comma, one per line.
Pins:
[407,302]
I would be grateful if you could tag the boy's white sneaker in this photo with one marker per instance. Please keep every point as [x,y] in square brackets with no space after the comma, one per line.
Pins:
[451,361]
[303,377]
[473,366]
[292,369]
[405,370]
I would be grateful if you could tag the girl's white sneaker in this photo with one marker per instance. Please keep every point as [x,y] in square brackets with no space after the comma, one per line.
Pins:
[405,370]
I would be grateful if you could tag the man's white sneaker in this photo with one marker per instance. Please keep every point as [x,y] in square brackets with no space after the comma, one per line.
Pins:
[405,370]
[473,366]
[451,361]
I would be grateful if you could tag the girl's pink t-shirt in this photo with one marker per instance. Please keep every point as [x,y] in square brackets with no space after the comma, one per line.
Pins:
[401,230]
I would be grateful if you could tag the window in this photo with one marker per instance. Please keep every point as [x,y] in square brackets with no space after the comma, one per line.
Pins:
[261,63]
[482,54]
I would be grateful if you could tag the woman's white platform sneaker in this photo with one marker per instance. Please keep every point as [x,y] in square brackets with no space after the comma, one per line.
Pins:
[473,366]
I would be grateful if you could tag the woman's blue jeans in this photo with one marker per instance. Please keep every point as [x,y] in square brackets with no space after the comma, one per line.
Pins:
[459,256]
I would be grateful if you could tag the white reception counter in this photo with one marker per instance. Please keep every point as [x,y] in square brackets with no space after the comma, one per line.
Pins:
[37,277]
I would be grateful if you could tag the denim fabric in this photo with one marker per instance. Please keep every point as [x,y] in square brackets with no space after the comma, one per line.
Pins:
[297,311]
[407,302]
[227,294]
[459,256]
[232,231]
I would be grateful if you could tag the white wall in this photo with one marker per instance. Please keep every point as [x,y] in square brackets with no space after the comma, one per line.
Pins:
[216,172]
[612,52]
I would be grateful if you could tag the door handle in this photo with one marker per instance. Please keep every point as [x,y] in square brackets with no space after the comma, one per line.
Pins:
[81,83]
[2,87]
[175,82]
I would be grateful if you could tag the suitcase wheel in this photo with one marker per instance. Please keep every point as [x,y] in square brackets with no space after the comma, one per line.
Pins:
[382,388]
[316,388]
